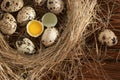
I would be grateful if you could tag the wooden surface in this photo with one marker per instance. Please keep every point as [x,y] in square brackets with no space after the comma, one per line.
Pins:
[111,55]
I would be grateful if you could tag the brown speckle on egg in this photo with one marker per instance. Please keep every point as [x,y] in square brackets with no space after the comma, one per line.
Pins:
[19,43]
[13,2]
[103,37]
[17,4]
[113,40]
[7,17]
[51,2]
[11,5]
[28,49]
[50,8]
[7,4]
[28,44]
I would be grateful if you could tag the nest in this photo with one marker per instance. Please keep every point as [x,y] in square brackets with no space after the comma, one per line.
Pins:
[61,61]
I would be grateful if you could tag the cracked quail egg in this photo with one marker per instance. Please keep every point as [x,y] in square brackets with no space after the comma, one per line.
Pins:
[40,2]
[8,24]
[11,5]
[108,37]
[55,6]
[25,14]
[35,28]
[49,36]
[25,45]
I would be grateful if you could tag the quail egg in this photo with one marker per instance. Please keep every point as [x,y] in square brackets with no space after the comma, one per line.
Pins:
[35,28]
[11,5]
[55,6]
[8,24]
[25,45]
[49,20]
[40,2]
[25,14]
[108,37]
[49,36]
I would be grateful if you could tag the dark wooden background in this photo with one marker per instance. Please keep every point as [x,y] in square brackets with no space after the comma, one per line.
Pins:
[111,63]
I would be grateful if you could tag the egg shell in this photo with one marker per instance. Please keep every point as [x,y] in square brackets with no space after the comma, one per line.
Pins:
[37,29]
[11,5]
[39,2]
[108,37]
[49,19]
[49,36]
[55,6]
[8,24]
[25,45]
[25,14]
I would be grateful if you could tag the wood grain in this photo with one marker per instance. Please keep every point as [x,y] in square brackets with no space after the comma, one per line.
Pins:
[110,56]
[108,71]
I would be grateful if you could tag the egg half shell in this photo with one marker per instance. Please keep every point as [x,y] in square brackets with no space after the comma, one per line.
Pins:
[49,20]
[35,28]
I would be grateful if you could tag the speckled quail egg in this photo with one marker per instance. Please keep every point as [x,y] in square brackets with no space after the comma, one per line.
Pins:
[25,14]
[49,36]
[55,6]
[12,5]
[40,2]
[25,45]
[108,37]
[8,24]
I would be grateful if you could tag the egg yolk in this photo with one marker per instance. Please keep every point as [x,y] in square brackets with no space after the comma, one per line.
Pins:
[35,28]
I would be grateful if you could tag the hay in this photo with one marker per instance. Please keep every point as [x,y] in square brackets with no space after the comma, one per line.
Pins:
[63,58]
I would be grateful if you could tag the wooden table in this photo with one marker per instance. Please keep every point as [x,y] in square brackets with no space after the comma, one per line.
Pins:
[111,63]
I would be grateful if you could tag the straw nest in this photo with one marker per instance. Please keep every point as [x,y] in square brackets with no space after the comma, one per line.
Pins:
[61,61]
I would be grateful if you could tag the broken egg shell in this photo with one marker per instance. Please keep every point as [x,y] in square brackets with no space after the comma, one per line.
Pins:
[49,19]
[49,36]
[108,37]
[39,2]
[8,24]
[11,5]
[25,14]
[55,6]
[35,28]
[25,45]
